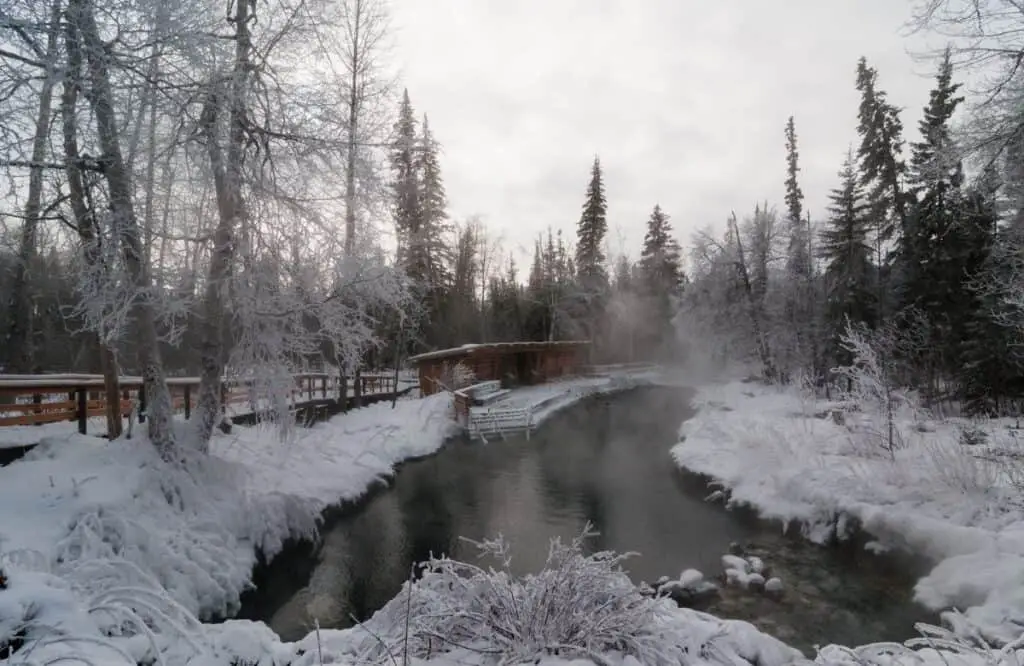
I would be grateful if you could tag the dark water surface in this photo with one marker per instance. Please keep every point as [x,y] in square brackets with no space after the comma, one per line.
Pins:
[605,461]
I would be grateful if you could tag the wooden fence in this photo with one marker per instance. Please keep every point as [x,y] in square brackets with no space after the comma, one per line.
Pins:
[39,399]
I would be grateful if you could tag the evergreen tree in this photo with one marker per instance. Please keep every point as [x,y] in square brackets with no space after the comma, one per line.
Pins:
[935,251]
[661,274]
[990,373]
[590,233]
[421,220]
[431,240]
[800,347]
[592,277]
[798,261]
[845,248]
[405,187]
[882,169]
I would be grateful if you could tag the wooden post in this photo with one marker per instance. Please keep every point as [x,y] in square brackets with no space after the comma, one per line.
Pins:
[142,403]
[71,398]
[323,386]
[83,409]
[37,399]
[188,401]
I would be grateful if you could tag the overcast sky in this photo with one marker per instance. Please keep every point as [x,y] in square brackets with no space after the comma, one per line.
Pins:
[685,101]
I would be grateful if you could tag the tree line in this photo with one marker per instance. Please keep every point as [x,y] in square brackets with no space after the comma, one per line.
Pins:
[918,256]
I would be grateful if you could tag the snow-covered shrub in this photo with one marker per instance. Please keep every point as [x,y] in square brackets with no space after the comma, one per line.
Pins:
[578,606]
[958,468]
[871,384]
[935,646]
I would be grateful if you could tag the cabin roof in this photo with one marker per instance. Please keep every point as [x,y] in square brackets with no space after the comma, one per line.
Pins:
[499,347]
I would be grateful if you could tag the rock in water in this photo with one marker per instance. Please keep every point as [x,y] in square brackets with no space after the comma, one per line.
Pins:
[756,564]
[661,581]
[773,588]
[755,581]
[691,578]
[735,549]
[735,562]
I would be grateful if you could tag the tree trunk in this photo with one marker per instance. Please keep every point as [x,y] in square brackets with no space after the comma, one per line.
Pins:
[227,176]
[19,336]
[111,391]
[84,220]
[126,227]
[353,126]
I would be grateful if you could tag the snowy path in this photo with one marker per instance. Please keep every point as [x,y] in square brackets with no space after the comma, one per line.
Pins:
[785,456]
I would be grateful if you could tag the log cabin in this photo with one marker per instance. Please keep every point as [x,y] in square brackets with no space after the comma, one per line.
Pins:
[512,363]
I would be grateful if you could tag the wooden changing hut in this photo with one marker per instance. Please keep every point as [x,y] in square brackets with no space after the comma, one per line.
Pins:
[512,363]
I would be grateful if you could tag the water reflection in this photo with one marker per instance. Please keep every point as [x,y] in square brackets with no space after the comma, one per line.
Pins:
[605,461]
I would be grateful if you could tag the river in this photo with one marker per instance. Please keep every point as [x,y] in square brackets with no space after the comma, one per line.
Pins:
[604,461]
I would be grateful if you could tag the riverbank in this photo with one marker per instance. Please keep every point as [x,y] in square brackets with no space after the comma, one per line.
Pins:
[950,491]
[81,516]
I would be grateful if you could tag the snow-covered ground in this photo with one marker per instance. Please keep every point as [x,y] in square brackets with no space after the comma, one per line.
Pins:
[109,555]
[946,492]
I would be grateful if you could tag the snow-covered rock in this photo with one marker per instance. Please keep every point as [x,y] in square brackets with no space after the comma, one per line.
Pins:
[691,578]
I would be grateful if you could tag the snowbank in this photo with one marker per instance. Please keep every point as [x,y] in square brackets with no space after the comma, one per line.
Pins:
[942,494]
[81,516]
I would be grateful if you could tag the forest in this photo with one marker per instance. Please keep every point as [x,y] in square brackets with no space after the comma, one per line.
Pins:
[203,190]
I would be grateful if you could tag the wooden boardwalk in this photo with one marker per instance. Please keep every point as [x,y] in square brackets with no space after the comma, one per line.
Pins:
[40,399]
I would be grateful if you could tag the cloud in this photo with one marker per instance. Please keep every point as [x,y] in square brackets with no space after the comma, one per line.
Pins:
[684,100]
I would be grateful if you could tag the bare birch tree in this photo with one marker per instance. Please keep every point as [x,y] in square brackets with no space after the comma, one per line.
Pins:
[122,219]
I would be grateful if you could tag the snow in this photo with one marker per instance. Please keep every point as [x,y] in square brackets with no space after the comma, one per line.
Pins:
[95,531]
[109,554]
[960,506]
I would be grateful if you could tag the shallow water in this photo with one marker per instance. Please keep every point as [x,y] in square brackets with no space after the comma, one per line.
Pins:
[605,461]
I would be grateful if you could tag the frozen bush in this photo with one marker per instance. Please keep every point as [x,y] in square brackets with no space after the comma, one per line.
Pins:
[578,606]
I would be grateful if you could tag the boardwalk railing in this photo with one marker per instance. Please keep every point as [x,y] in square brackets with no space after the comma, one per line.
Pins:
[40,399]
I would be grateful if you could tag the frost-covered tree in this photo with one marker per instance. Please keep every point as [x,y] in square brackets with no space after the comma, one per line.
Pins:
[364,25]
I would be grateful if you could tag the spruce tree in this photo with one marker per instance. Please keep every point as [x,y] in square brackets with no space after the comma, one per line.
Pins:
[882,168]
[846,250]
[592,277]
[990,374]
[434,226]
[661,274]
[934,252]
[590,233]
[405,187]
[798,261]
[800,348]
[430,254]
